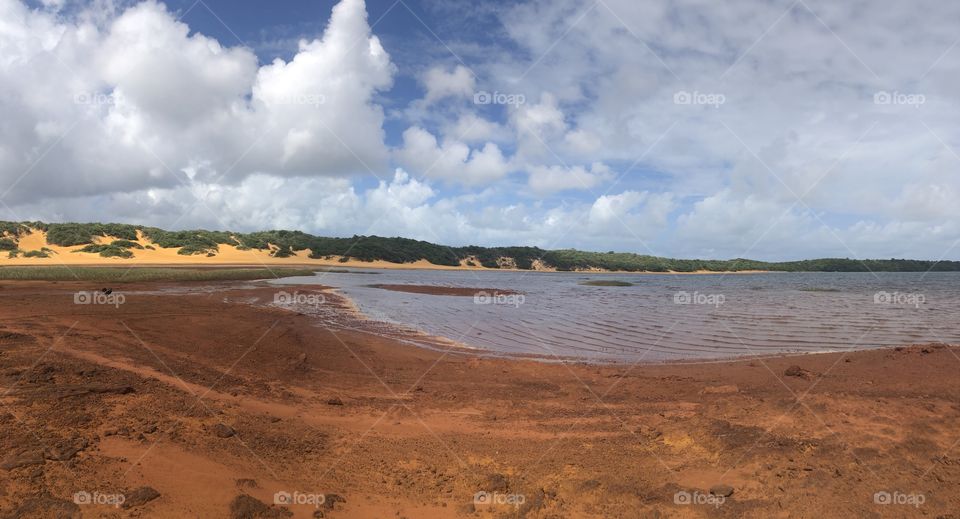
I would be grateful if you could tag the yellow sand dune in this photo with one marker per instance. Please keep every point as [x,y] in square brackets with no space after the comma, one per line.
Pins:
[36,240]
[227,255]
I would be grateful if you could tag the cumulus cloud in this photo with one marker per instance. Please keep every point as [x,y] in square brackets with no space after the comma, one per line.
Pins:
[132,102]
[550,179]
[451,161]
[459,82]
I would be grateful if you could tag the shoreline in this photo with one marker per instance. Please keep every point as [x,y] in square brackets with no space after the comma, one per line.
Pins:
[327,264]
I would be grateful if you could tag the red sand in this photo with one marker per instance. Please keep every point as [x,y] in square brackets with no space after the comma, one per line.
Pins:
[106,400]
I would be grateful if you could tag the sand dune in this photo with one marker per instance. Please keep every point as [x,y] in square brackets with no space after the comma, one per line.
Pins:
[227,255]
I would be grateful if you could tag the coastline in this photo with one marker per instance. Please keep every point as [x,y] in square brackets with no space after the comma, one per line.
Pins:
[267,261]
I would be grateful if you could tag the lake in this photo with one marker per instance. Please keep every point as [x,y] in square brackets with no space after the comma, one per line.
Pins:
[664,317]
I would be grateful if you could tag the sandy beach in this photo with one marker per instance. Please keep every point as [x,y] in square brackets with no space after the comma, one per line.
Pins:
[203,400]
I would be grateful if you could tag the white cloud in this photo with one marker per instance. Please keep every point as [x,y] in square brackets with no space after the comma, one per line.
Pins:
[471,128]
[128,103]
[451,161]
[459,82]
[550,179]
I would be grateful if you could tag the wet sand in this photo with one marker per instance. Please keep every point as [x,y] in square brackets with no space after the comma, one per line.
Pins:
[208,402]
[438,290]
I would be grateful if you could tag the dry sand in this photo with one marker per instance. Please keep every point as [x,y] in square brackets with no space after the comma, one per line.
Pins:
[216,401]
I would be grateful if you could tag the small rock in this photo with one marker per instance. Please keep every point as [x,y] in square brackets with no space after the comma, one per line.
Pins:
[247,507]
[66,452]
[496,482]
[334,401]
[330,500]
[150,429]
[247,483]
[25,459]
[721,490]
[47,506]
[796,371]
[223,431]
[140,497]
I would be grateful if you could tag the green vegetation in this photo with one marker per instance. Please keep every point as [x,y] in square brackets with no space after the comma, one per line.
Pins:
[42,253]
[607,283]
[394,250]
[134,274]
[116,249]
[190,242]
[126,244]
[107,251]
[70,234]
[282,244]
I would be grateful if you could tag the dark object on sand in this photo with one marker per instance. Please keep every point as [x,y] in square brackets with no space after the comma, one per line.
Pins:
[223,431]
[606,283]
[796,371]
[721,490]
[140,496]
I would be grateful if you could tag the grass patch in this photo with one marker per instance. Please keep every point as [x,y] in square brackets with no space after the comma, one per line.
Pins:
[121,275]
[606,283]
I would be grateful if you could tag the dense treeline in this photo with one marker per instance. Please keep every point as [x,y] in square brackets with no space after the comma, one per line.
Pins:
[403,250]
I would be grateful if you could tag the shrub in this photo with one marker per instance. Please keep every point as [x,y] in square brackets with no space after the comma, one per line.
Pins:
[107,251]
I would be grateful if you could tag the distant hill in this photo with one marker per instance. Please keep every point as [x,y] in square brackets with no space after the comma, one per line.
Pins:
[38,242]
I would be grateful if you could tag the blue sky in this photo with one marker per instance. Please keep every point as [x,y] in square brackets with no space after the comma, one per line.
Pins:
[766,129]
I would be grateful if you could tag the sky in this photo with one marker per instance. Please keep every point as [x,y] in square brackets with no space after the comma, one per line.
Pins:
[772,130]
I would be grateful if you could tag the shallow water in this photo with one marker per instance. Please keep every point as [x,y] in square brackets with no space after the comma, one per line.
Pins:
[666,317]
